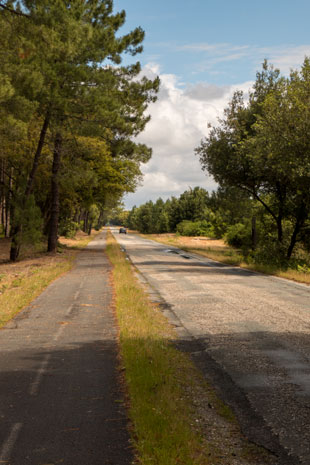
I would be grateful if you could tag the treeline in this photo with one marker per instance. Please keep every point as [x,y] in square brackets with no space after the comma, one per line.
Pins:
[69,113]
[259,154]
[228,213]
[194,213]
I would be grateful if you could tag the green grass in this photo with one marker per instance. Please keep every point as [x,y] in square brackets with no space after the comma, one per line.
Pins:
[154,370]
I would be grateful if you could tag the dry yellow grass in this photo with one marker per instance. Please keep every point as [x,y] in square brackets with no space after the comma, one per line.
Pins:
[219,251]
[23,281]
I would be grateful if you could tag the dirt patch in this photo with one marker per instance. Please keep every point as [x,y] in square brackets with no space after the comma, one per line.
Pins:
[72,242]
[190,242]
[202,242]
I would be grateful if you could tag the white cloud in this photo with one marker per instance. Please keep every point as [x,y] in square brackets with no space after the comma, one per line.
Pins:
[182,112]
[288,57]
[179,121]
[285,57]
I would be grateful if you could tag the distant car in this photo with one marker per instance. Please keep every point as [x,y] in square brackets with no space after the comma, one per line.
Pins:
[122,230]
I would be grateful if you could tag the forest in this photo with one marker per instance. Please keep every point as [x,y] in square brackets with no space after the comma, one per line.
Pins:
[259,154]
[70,111]
[69,114]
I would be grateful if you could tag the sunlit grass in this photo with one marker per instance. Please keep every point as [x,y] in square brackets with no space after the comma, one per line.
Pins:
[23,282]
[20,292]
[155,371]
[226,254]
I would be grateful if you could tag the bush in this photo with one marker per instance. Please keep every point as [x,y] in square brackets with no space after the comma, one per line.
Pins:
[239,235]
[195,228]
[271,252]
[68,228]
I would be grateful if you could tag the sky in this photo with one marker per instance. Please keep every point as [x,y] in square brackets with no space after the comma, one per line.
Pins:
[203,51]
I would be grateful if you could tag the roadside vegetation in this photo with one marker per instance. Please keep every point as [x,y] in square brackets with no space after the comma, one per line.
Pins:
[21,282]
[220,251]
[176,416]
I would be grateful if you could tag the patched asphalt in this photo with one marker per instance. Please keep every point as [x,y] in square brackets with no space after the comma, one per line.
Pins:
[61,393]
[249,333]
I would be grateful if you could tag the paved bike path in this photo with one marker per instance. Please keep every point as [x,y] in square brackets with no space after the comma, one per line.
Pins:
[61,400]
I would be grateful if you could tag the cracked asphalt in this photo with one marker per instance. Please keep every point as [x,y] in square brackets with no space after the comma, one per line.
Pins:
[248,332]
[61,398]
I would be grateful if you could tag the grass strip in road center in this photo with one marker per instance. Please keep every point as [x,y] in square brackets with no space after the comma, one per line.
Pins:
[165,390]
[158,410]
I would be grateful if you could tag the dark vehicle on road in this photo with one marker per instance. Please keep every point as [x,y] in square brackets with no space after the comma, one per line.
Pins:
[122,230]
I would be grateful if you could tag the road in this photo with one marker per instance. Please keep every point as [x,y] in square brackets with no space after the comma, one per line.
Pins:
[61,400]
[248,332]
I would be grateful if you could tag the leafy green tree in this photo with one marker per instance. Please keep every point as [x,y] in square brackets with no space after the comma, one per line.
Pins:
[262,148]
[69,70]
[144,218]
[281,150]
[190,206]
[131,221]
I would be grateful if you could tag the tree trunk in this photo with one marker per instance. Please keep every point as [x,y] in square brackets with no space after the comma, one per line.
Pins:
[254,233]
[90,228]
[15,244]
[37,155]
[100,220]
[53,226]
[280,229]
[85,228]
[8,206]
[298,225]
[2,195]
[16,230]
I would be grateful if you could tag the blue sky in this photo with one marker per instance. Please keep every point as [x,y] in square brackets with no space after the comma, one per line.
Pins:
[240,33]
[203,50]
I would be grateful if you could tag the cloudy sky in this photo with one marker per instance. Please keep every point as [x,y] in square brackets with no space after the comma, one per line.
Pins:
[203,51]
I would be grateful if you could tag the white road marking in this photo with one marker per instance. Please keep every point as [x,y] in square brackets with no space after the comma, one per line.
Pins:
[10,442]
[58,334]
[76,296]
[34,387]
[69,310]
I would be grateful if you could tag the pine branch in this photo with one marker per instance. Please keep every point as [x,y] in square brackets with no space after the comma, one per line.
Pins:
[11,10]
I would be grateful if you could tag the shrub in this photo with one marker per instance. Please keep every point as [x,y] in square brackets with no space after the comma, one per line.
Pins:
[239,235]
[271,252]
[195,228]
[68,228]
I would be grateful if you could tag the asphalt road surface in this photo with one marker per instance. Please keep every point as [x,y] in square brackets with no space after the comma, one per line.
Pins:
[60,396]
[248,332]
